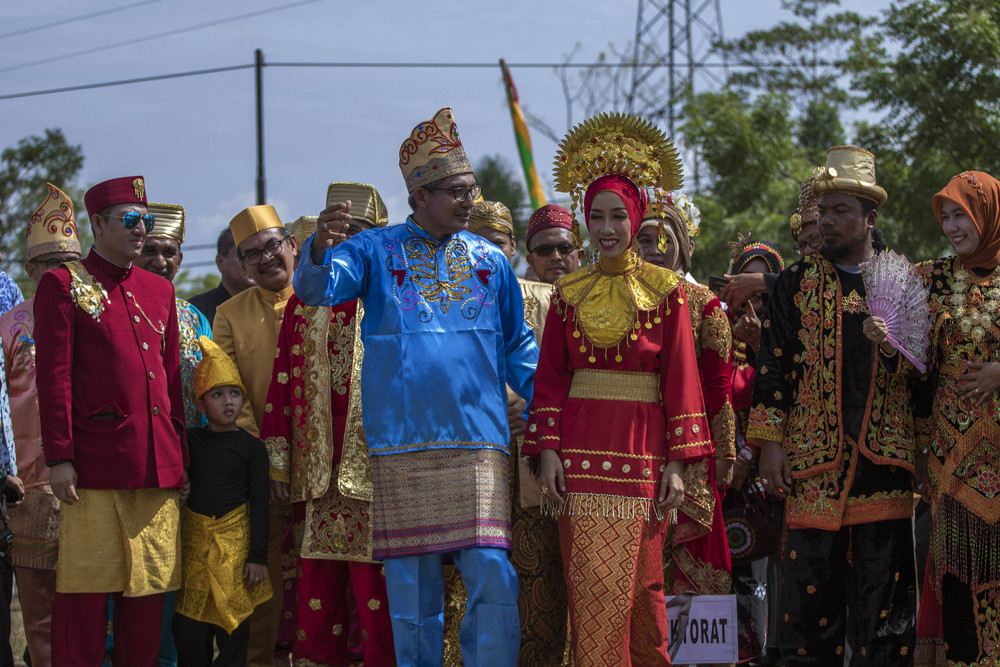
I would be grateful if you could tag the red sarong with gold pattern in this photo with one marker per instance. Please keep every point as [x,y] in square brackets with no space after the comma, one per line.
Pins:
[317,446]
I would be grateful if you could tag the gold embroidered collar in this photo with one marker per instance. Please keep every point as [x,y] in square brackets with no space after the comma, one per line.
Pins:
[609,297]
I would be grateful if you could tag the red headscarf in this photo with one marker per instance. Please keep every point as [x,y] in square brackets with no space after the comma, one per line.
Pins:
[635,198]
[978,194]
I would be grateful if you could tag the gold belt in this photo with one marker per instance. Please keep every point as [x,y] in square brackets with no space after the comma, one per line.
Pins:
[605,385]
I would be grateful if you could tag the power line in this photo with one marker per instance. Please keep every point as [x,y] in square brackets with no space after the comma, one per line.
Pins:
[167,33]
[389,65]
[82,17]
[122,82]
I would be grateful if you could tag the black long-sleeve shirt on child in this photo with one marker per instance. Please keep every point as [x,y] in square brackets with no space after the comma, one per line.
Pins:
[229,468]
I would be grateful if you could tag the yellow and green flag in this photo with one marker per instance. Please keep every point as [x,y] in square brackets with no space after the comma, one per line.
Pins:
[523,141]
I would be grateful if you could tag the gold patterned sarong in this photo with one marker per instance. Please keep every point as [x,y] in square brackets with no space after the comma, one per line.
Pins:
[120,540]
[440,500]
[35,525]
[215,551]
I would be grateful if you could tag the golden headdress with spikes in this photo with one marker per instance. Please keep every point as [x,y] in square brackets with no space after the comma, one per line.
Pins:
[615,143]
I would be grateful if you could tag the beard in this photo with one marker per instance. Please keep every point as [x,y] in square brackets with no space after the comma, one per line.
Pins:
[841,250]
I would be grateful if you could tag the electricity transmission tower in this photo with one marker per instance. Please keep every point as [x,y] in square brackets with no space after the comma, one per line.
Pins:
[674,57]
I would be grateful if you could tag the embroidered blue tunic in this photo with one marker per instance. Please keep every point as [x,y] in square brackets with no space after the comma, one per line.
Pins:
[443,330]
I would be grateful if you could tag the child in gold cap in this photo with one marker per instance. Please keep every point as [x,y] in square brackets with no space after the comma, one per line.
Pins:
[224,530]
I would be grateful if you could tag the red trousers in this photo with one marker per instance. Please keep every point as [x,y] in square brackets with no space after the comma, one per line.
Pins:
[80,625]
[36,590]
[323,616]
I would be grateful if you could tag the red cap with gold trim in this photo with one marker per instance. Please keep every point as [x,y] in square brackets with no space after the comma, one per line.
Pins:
[124,190]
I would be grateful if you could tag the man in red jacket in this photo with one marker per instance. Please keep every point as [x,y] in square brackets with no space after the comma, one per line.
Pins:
[109,393]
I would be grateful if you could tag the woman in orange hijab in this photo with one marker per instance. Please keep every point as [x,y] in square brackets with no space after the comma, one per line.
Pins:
[959,433]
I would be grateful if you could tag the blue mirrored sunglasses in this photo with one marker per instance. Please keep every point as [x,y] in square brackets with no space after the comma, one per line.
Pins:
[131,219]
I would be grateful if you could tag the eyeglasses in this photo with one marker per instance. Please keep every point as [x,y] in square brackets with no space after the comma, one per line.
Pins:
[814,243]
[272,248]
[461,194]
[131,220]
[546,249]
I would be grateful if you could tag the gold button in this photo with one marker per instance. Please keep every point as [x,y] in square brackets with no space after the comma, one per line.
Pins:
[626,468]
[662,468]
[647,473]
[156,410]
[566,463]
[151,375]
[145,346]
[606,465]
[136,318]
[533,428]
[551,422]
[585,465]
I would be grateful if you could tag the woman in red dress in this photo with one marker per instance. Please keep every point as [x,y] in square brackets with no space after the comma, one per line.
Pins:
[617,408]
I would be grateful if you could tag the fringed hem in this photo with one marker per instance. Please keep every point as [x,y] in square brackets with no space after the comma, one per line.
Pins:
[598,504]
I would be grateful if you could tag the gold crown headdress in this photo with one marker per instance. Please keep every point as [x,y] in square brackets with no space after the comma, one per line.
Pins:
[52,227]
[615,143]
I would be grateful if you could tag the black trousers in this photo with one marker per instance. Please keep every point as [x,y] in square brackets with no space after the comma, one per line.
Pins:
[6,592]
[195,639]
[868,569]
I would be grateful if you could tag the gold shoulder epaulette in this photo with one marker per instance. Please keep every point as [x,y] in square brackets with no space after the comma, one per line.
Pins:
[87,293]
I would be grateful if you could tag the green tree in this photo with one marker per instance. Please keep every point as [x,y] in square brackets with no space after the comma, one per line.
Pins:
[931,70]
[502,182]
[187,285]
[24,171]
[755,167]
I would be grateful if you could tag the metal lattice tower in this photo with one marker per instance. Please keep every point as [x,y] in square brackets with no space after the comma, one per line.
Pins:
[674,42]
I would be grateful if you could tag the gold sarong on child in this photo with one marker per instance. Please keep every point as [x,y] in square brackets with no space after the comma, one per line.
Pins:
[215,551]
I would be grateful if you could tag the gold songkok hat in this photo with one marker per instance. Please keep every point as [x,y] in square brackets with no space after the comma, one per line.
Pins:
[251,220]
[52,227]
[433,151]
[491,214]
[302,228]
[616,143]
[169,221]
[808,210]
[849,170]
[366,202]
[216,369]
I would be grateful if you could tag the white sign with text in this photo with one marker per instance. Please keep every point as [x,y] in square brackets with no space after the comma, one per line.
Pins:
[712,633]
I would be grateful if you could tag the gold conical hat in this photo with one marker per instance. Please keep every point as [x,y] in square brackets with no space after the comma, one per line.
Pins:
[52,227]
[169,221]
[366,202]
[215,369]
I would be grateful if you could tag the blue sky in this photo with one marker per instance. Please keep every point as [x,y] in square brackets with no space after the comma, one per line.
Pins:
[194,138]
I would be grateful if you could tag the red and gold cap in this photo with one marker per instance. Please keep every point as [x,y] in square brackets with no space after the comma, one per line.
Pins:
[251,220]
[548,216]
[433,151]
[52,227]
[125,190]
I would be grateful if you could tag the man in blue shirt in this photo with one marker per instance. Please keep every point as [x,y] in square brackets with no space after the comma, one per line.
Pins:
[444,333]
